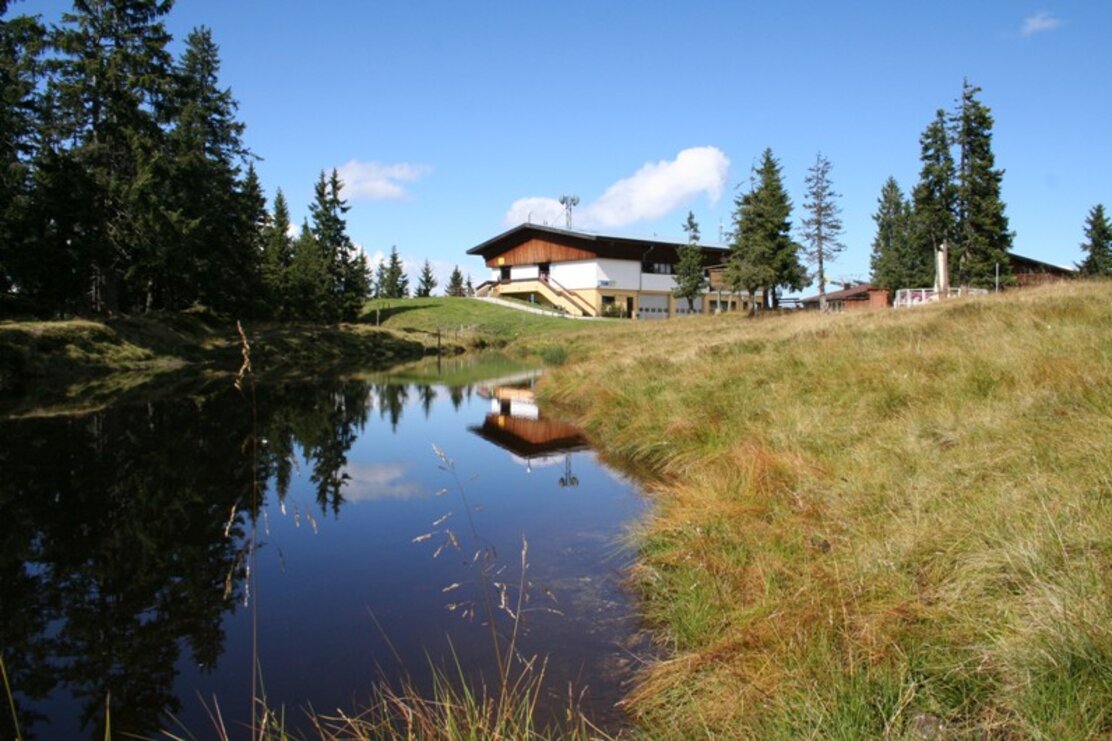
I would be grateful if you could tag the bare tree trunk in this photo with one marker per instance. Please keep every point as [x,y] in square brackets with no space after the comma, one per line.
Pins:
[822,283]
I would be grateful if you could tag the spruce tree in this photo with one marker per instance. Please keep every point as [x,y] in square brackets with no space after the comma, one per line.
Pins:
[346,265]
[763,255]
[689,277]
[111,74]
[392,281]
[278,257]
[1097,245]
[219,207]
[823,225]
[21,44]
[983,239]
[455,283]
[894,263]
[426,282]
[309,281]
[934,202]
[468,289]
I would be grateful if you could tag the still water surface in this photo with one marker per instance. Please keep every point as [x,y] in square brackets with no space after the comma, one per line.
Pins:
[127,541]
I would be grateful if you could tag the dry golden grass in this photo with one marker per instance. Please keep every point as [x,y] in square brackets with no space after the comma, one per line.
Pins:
[872,524]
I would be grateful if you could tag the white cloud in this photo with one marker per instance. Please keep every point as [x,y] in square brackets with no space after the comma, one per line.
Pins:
[374,481]
[1040,22]
[535,210]
[651,192]
[378,180]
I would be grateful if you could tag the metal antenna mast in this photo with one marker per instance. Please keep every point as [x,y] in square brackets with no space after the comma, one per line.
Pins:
[568,202]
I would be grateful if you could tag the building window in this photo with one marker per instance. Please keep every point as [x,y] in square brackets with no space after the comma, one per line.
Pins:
[657,268]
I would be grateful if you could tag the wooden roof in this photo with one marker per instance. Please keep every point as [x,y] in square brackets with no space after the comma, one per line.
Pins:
[858,292]
[598,245]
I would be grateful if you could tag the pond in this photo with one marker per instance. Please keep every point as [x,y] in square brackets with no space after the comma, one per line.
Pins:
[151,549]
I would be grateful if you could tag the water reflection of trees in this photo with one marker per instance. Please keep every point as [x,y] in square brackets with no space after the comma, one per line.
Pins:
[115,545]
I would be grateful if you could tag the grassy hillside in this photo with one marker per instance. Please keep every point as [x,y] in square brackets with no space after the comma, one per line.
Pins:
[886,524]
[471,321]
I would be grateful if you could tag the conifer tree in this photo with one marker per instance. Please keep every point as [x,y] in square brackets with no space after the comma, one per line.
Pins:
[349,281]
[894,263]
[309,281]
[426,282]
[1097,245]
[468,289]
[763,255]
[392,280]
[110,79]
[278,257]
[983,239]
[218,210]
[934,203]
[689,277]
[21,44]
[823,225]
[455,283]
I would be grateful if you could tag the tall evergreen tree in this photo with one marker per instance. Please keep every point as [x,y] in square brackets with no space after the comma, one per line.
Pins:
[895,264]
[983,239]
[111,74]
[822,227]
[217,211]
[347,266]
[763,255]
[1097,245]
[934,201]
[392,280]
[690,280]
[426,282]
[308,281]
[277,249]
[455,283]
[21,44]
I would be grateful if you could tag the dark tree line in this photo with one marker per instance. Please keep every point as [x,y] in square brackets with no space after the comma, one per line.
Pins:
[126,186]
[957,202]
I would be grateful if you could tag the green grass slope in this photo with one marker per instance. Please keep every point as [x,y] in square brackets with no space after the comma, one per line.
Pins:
[889,524]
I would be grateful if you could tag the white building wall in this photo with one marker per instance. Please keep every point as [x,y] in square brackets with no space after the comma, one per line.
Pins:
[655,282]
[576,275]
[623,274]
[524,272]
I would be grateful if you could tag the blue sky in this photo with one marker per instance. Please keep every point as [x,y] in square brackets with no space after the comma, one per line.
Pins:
[444,116]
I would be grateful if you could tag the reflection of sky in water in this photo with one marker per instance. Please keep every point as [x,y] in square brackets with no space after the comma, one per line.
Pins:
[119,557]
[317,590]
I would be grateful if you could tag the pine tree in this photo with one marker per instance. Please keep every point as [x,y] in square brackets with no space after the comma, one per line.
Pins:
[763,256]
[278,257]
[689,277]
[217,210]
[894,262]
[426,282]
[455,283]
[379,287]
[21,44]
[347,267]
[934,202]
[469,290]
[983,239]
[1098,244]
[308,280]
[823,226]
[110,75]
[392,281]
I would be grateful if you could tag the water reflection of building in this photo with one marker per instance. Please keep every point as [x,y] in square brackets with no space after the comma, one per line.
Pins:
[516,424]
